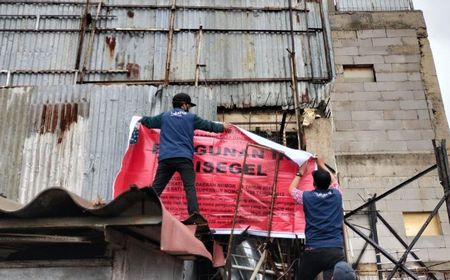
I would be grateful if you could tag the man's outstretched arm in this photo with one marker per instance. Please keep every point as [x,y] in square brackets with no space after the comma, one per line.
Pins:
[152,122]
[210,126]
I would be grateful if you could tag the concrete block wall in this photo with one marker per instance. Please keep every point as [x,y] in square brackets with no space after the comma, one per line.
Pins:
[391,114]
[382,130]
[362,176]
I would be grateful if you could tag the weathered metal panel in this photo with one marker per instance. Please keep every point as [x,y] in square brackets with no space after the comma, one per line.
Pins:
[119,53]
[374,5]
[134,56]
[14,119]
[246,95]
[258,55]
[38,50]
[48,128]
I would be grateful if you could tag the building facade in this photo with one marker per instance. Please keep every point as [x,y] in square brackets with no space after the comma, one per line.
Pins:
[353,81]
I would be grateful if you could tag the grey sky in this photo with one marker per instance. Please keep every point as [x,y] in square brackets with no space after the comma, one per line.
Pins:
[437,13]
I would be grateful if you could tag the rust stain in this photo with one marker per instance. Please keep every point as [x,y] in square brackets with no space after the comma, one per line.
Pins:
[305,96]
[56,118]
[111,43]
[133,71]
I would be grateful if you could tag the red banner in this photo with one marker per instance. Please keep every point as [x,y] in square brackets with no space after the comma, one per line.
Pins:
[221,167]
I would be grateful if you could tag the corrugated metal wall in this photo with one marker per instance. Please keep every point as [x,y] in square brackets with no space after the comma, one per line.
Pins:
[240,42]
[63,132]
[75,136]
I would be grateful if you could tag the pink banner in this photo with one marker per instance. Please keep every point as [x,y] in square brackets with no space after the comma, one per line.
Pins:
[219,163]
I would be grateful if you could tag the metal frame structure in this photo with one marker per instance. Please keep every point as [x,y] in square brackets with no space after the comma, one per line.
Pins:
[372,239]
[265,256]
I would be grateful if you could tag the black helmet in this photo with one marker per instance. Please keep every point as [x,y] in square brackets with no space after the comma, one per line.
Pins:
[182,97]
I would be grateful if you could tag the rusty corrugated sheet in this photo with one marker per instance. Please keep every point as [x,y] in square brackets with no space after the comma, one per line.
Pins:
[58,210]
[74,137]
[245,45]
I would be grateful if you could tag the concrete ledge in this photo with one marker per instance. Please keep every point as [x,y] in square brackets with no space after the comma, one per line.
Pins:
[379,20]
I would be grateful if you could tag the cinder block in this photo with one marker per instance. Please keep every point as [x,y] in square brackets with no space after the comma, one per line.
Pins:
[352,42]
[400,115]
[401,33]
[382,67]
[428,181]
[358,106]
[397,58]
[403,135]
[342,125]
[413,41]
[430,242]
[423,145]
[419,94]
[389,146]
[364,96]
[393,86]
[439,254]
[368,59]
[348,87]
[428,193]
[423,114]
[416,124]
[397,95]
[341,115]
[346,51]
[339,96]
[383,105]
[403,50]
[367,135]
[341,106]
[371,33]
[343,34]
[414,76]
[391,77]
[411,206]
[373,50]
[343,59]
[377,125]
[386,41]
[406,67]
[366,115]
[427,134]
[413,105]
[343,136]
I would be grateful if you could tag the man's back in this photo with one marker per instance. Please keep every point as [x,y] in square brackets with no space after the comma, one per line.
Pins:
[177,132]
[324,218]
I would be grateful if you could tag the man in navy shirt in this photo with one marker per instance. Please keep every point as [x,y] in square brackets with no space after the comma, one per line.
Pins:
[324,218]
[176,148]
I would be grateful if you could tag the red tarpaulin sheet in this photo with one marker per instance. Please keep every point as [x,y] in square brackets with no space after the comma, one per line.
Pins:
[219,162]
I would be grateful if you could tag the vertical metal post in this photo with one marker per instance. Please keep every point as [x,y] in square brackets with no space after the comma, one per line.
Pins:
[294,77]
[326,42]
[83,24]
[170,43]
[228,263]
[274,194]
[199,50]
[87,56]
[373,227]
